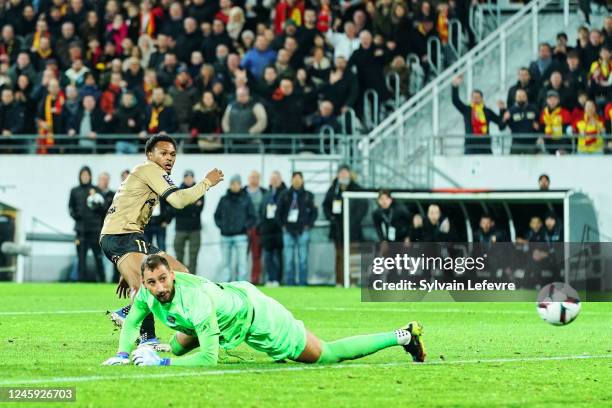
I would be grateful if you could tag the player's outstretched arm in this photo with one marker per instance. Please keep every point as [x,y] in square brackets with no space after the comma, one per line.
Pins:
[206,355]
[182,198]
[129,333]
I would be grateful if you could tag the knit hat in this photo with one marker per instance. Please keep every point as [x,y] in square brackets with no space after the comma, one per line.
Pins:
[236,179]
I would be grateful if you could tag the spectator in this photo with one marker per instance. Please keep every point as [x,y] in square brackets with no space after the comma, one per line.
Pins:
[288,10]
[370,60]
[62,44]
[345,43]
[183,95]
[23,96]
[591,130]
[486,233]
[105,191]
[297,214]
[10,46]
[255,193]
[435,228]
[236,22]
[599,77]
[259,57]
[522,118]
[544,182]
[167,70]
[76,73]
[127,121]
[234,216]
[333,209]
[324,117]
[592,51]
[476,118]
[554,118]
[270,230]
[555,84]
[190,40]
[188,227]
[287,110]
[160,116]
[12,122]
[88,122]
[124,175]
[23,66]
[50,117]
[342,87]
[157,56]
[543,67]
[561,49]
[87,209]
[575,78]
[245,117]
[218,38]
[391,219]
[527,84]
[205,126]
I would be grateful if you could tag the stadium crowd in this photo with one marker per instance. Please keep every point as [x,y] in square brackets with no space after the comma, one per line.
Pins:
[560,104]
[84,68]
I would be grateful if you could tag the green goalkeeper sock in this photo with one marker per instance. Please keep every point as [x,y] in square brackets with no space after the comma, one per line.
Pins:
[351,348]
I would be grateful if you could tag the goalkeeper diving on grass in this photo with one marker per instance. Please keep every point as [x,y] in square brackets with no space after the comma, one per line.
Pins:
[208,316]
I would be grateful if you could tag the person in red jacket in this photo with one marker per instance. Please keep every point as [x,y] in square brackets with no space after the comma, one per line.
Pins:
[288,10]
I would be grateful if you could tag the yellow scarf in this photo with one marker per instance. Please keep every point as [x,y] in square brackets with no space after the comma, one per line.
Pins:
[154,122]
[36,41]
[590,130]
[553,122]
[479,120]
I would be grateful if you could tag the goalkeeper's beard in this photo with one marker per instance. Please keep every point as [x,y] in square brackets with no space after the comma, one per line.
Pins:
[165,297]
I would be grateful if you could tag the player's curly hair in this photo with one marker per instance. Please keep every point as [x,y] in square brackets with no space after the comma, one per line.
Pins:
[152,262]
[160,137]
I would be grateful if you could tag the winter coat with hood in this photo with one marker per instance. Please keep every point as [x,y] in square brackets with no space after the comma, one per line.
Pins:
[87,206]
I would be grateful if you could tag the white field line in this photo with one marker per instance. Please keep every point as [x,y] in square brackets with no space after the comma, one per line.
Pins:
[291,368]
[338,309]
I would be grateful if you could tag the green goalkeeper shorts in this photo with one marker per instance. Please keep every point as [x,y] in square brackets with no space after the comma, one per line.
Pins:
[274,330]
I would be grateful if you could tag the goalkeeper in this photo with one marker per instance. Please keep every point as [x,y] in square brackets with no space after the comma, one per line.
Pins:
[208,315]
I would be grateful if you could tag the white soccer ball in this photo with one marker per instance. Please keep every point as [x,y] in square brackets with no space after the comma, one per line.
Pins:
[558,304]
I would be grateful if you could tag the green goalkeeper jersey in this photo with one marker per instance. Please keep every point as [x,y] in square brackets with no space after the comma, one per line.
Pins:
[219,314]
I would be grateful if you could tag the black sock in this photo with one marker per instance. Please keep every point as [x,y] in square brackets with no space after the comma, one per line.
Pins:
[147,329]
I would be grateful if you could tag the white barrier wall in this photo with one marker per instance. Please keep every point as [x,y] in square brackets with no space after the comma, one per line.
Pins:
[590,175]
[40,186]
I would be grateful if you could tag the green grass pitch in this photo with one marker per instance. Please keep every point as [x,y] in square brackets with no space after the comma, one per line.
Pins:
[479,355]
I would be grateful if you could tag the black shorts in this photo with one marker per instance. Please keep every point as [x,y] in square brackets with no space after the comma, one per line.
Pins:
[117,246]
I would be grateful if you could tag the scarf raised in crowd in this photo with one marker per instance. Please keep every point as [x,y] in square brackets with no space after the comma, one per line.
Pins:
[154,122]
[479,120]
[590,130]
[53,107]
[600,71]
[442,28]
[553,121]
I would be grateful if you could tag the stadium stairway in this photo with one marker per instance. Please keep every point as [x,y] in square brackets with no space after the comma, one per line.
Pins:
[398,152]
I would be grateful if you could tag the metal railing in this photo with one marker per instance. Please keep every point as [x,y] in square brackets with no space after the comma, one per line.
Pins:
[422,112]
[327,141]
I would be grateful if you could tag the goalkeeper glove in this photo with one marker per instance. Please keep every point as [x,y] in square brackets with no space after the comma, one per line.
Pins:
[119,359]
[145,356]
